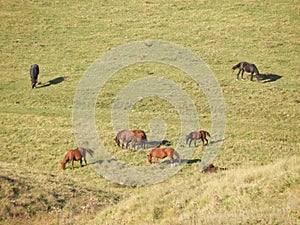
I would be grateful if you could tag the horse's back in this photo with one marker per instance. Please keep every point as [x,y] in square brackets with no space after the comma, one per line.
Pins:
[140,134]
[34,70]
[194,134]
[124,134]
[76,154]
[204,133]
[162,151]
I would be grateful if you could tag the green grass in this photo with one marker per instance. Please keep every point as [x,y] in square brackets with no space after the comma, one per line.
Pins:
[261,147]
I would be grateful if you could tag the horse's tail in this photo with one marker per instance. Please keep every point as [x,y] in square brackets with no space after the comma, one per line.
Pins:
[208,134]
[177,156]
[90,151]
[145,136]
[255,69]
[117,141]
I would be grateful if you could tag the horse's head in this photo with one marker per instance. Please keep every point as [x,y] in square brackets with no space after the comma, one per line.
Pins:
[149,158]
[63,165]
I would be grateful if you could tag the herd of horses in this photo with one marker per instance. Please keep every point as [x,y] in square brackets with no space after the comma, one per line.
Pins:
[133,138]
[124,138]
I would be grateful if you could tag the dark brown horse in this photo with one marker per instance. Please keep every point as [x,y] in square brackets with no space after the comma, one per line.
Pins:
[76,155]
[210,168]
[196,135]
[249,68]
[34,72]
[163,153]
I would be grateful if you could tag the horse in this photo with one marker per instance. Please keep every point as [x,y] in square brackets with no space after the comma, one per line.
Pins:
[210,168]
[196,135]
[162,153]
[249,68]
[34,72]
[76,155]
[124,137]
[141,137]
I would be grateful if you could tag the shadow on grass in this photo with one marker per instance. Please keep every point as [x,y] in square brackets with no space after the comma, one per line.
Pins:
[53,82]
[157,144]
[267,78]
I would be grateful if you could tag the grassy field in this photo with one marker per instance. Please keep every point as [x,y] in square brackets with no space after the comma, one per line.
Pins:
[261,146]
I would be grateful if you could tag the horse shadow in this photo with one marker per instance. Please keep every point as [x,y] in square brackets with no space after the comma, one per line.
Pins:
[191,161]
[157,144]
[54,81]
[267,78]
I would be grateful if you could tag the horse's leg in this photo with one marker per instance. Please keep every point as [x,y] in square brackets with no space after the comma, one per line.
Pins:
[190,142]
[205,140]
[195,142]
[80,162]
[72,164]
[156,160]
[242,76]
[201,138]
[144,144]
[251,78]
[237,75]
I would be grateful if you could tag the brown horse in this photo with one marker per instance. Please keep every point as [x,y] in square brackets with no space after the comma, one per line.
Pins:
[125,137]
[196,135]
[163,153]
[210,168]
[249,68]
[76,155]
[141,137]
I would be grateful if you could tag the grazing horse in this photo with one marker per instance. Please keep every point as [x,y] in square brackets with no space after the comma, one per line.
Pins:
[76,155]
[196,135]
[210,168]
[124,137]
[249,68]
[34,72]
[141,137]
[162,153]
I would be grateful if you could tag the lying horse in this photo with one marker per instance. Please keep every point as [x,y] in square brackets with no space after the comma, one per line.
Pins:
[34,72]
[162,153]
[76,155]
[196,135]
[210,168]
[249,68]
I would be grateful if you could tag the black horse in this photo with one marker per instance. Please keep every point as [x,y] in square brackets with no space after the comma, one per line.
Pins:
[34,72]
[249,68]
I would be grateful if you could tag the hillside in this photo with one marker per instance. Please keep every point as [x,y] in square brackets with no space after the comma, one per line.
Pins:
[261,142]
